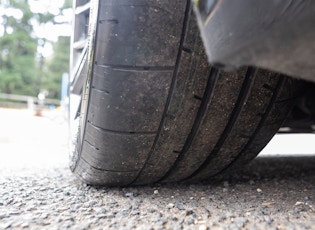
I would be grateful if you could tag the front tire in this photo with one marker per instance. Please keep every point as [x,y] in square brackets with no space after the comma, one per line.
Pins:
[154,110]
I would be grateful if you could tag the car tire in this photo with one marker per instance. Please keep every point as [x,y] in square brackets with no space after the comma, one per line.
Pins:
[154,110]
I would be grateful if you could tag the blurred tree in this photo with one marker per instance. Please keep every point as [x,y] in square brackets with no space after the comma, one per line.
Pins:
[56,66]
[17,50]
[23,68]
[67,4]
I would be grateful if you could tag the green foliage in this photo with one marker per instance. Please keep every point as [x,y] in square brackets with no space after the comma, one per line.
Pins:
[17,53]
[22,69]
[56,66]
[67,4]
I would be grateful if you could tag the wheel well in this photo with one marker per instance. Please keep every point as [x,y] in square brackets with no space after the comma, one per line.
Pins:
[302,116]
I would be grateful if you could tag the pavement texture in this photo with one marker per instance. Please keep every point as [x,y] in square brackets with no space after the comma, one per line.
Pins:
[38,191]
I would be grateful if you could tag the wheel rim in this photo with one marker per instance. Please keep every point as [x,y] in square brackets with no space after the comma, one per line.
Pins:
[81,68]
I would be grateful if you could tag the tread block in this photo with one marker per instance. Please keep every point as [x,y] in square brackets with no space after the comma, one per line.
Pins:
[129,32]
[97,177]
[128,101]
[115,152]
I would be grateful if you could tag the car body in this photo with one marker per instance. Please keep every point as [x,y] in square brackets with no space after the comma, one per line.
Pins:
[275,35]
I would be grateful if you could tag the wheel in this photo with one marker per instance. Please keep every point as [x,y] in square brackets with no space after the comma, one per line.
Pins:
[153,110]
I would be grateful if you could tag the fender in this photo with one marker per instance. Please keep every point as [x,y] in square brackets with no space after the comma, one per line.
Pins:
[278,35]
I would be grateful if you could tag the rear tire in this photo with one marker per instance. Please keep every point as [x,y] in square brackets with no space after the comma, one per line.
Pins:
[154,110]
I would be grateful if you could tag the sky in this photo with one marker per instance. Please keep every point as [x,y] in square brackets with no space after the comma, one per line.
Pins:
[51,31]
[48,31]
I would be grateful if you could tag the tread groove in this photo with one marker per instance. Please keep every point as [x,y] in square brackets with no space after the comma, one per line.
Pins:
[287,99]
[105,170]
[243,135]
[90,144]
[212,79]
[138,68]
[273,99]
[244,93]
[120,132]
[187,50]
[198,97]
[172,86]
[100,90]
[266,86]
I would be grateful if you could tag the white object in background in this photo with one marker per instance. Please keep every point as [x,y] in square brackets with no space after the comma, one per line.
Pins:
[290,144]
[30,103]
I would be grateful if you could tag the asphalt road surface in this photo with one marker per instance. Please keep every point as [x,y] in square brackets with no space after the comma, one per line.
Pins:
[38,191]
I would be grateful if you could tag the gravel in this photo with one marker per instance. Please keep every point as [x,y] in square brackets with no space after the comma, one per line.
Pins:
[54,199]
[270,193]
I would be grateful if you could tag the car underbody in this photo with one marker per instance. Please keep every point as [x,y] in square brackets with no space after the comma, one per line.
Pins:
[277,26]
[275,35]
